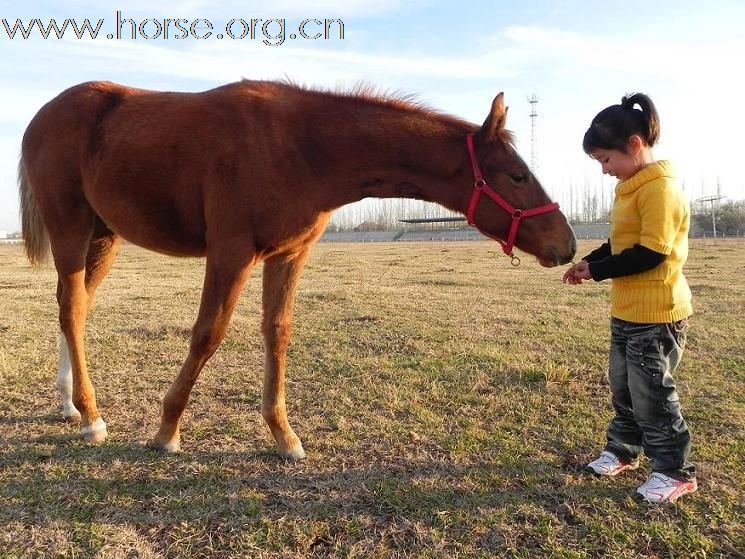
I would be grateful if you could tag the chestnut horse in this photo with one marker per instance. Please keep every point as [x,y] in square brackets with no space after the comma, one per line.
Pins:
[245,173]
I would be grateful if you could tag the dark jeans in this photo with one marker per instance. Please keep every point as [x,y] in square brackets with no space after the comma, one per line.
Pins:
[643,358]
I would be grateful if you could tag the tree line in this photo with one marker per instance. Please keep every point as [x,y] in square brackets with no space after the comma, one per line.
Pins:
[582,206]
[728,218]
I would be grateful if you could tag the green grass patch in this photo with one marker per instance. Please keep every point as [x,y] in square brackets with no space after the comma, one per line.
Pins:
[447,402]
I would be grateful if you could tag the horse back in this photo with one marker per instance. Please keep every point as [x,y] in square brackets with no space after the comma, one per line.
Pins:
[175,172]
[154,166]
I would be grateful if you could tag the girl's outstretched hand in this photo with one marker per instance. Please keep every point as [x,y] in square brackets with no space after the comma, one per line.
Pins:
[577,273]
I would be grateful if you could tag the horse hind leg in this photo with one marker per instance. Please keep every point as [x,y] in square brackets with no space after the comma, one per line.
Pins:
[64,383]
[101,252]
[83,252]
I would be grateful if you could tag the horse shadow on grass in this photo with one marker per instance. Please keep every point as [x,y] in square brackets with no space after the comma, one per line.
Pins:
[127,483]
[394,501]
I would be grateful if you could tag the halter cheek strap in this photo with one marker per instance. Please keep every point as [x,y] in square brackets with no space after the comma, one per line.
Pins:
[480,187]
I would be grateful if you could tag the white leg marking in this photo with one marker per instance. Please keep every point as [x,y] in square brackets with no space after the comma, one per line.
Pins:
[64,381]
[297,453]
[99,425]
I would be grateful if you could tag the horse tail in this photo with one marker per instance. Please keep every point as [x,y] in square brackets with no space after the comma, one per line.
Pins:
[35,236]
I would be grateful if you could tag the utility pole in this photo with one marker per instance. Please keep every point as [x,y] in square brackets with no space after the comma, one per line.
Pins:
[713,199]
[533,100]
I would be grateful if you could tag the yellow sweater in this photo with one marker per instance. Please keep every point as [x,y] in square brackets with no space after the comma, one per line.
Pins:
[650,209]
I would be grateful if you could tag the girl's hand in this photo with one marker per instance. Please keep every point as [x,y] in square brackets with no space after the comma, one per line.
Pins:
[577,273]
[569,277]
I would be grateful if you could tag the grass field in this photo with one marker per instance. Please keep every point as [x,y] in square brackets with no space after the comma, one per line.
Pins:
[447,403]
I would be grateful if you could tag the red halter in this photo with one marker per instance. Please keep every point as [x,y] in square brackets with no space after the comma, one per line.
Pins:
[481,187]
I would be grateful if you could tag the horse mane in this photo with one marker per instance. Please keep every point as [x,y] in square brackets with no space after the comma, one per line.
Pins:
[367,93]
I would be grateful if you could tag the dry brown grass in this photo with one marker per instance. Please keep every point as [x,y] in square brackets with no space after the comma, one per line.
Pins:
[446,400]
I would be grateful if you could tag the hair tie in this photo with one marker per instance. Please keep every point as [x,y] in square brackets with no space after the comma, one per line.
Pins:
[628,104]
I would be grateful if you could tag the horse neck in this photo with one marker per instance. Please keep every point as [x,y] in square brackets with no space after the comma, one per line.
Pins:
[392,153]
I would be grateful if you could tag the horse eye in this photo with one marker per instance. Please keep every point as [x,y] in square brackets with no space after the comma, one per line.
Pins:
[520,178]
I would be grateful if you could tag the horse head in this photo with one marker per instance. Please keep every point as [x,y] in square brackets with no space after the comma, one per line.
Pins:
[518,211]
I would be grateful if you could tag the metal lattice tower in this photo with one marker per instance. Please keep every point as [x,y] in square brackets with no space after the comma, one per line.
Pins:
[533,100]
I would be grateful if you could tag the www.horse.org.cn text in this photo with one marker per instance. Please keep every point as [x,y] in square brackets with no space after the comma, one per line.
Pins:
[271,32]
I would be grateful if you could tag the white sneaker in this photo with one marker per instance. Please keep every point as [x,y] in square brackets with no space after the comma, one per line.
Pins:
[608,464]
[664,489]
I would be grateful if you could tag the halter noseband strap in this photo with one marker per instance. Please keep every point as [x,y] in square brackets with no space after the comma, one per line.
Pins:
[480,187]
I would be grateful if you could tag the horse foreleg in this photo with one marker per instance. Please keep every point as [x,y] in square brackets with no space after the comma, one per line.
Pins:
[227,272]
[281,275]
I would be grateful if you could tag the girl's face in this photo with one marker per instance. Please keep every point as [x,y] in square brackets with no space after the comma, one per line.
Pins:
[616,163]
[624,164]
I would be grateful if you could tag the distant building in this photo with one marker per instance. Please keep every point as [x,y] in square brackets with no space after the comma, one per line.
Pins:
[3,234]
[368,226]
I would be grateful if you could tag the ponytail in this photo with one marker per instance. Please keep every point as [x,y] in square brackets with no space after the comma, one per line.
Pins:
[613,126]
[649,115]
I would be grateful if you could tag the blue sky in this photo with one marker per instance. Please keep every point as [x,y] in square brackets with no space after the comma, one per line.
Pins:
[577,57]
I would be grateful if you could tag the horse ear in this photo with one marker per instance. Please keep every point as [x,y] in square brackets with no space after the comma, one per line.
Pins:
[497,118]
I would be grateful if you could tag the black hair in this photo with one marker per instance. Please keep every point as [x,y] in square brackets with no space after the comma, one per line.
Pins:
[613,126]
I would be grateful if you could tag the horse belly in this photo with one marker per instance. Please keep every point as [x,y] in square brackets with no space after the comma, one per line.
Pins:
[156,223]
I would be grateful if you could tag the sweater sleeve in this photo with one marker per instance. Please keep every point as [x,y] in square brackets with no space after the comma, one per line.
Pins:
[661,217]
[599,253]
[634,260]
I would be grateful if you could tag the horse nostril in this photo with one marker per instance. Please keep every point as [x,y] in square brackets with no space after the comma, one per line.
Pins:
[559,257]
[555,256]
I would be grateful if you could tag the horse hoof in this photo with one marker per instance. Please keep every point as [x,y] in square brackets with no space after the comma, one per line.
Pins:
[95,433]
[166,448]
[294,454]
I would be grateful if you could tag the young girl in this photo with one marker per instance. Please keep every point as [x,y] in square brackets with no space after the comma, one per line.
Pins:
[650,300]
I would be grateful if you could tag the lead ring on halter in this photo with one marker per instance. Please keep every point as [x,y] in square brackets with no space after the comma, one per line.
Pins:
[480,186]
